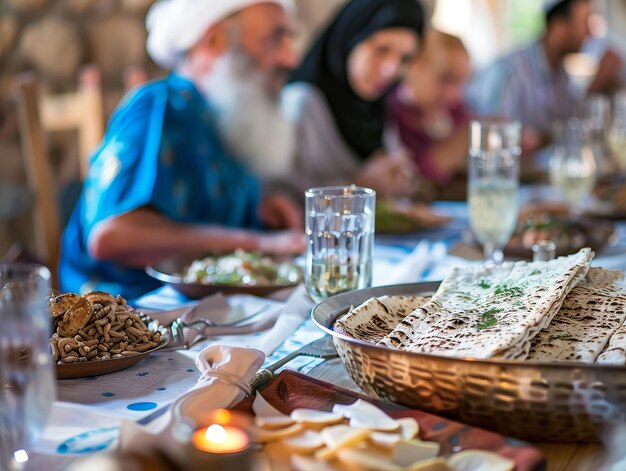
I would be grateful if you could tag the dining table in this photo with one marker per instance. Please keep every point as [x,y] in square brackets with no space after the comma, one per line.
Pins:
[87,412]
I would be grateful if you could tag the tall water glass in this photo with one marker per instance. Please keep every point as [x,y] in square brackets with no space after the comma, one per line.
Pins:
[28,383]
[493,186]
[340,239]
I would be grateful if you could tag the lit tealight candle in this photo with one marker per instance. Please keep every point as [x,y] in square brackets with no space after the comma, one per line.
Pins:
[220,439]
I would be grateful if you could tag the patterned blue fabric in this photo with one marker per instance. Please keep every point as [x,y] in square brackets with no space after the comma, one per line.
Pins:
[161,150]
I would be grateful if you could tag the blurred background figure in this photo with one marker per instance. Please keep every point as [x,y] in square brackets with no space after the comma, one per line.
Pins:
[531,84]
[337,97]
[171,176]
[428,112]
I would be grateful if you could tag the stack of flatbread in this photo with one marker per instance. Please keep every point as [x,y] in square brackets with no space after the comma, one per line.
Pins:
[560,310]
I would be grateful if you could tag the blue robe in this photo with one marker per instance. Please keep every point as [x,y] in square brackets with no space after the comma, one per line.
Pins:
[161,150]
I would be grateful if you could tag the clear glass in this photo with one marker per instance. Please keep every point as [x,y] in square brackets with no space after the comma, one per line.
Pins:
[617,131]
[573,165]
[597,118]
[340,239]
[26,371]
[493,185]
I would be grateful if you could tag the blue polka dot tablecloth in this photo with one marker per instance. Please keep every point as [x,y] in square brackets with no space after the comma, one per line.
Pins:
[88,411]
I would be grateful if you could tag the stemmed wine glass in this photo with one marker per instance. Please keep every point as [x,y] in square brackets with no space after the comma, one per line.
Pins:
[493,186]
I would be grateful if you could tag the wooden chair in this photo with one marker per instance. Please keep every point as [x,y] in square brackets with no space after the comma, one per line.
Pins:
[81,111]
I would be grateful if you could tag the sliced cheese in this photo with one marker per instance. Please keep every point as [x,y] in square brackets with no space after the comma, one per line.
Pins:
[273,423]
[367,458]
[338,437]
[316,417]
[362,414]
[306,442]
[479,460]
[260,435]
[262,408]
[408,452]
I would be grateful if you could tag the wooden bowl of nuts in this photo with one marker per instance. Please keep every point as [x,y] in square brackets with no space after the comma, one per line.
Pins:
[98,333]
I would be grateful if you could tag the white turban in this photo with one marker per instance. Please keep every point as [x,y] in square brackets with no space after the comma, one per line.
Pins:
[174,26]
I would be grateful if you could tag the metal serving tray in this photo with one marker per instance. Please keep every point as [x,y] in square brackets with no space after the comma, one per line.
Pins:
[561,402]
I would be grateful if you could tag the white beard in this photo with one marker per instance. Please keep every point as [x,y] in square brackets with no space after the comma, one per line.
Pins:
[250,121]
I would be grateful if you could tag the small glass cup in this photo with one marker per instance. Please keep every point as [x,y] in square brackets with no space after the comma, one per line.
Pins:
[28,383]
[617,131]
[573,165]
[493,186]
[340,239]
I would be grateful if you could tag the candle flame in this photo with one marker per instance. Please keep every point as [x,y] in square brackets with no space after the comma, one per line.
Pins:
[216,433]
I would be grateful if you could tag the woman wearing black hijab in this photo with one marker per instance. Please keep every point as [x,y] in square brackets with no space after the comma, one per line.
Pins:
[337,97]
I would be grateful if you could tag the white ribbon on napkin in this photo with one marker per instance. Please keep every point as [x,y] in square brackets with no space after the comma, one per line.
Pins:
[226,375]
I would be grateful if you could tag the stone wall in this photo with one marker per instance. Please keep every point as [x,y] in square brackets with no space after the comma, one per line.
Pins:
[54,38]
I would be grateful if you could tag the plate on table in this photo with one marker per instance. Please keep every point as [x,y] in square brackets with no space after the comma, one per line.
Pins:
[291,390]
[553,222]
[96,368]
[608,200]
[236,273]
[531,400]
[404,216]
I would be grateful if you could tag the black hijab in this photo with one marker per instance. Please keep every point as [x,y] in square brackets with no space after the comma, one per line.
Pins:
[360,122]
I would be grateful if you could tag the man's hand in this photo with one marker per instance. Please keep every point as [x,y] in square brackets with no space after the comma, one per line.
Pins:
[278,212]
[608,78]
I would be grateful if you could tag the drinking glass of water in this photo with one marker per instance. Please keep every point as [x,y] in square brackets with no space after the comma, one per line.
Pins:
[573,165]
[493,186]
[26,371]
[340,239]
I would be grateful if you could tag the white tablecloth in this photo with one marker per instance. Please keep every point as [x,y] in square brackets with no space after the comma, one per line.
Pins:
[88,411]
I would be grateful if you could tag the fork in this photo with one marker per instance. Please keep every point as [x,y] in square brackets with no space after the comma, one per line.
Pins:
[322,348]
[177,327]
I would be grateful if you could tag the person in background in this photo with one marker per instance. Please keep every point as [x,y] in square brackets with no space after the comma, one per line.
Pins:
[337,97]
[171,176]
[531,84]
[428,112]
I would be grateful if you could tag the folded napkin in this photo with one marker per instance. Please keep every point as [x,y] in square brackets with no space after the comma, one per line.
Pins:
[226,376]
[428,261]
[224,319]
[227,373]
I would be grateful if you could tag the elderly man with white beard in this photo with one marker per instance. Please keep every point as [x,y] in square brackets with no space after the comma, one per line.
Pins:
[175,172]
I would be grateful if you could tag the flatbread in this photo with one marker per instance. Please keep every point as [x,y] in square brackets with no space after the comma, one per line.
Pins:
[589,317]
[615,351]
[376,317]
[490,312]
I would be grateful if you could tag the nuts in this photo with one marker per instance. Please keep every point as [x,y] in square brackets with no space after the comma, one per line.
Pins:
[97,326]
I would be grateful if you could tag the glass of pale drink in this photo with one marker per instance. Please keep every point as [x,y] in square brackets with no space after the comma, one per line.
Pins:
[493,184]
[573,165]
[617,131]
[340,239]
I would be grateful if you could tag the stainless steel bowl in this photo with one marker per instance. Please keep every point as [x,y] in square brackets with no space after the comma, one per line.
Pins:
[560,402]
